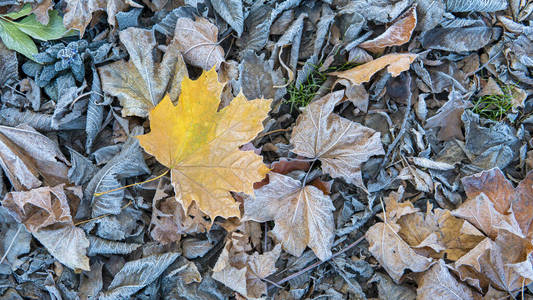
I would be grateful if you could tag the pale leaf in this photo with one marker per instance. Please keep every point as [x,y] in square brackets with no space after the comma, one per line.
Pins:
[340,144]
[439,284]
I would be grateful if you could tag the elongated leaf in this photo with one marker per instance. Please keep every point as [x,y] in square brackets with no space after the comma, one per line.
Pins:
[137,274]
[52,31]
[17,40]
[475,5]
[231,12]
[26,10]
[95,111]
[103,246]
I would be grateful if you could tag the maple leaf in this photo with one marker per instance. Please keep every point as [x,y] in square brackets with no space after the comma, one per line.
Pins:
[141,82]
[303,215]
[46,213]
[396,63]
[398,34]
[340,144]
[243,272]
[438,283]
[201,145]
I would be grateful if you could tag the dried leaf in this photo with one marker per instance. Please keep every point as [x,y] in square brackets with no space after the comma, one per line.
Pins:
[448,117]
[243,272]
[29,157]
[231,12]
[137,274]
[388,290]
[46,213]
[197,42]
[392,252]
[439,284]
[201,145]
[340,144]
[475,5]
[78,13]
[397,34]
[141,82]
[395,63]
[459,39]
[303,215]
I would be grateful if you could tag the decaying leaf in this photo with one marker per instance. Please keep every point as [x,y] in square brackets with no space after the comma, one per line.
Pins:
[243,272]
[459,39]
[201,145]
[397,34]
[439,284]
[197,42]
[30,158]
[303,215]
[448,117]
[46,213]
[340,144]
[141,82]
[475,5]
[137,274]
[78,13]
[395,63]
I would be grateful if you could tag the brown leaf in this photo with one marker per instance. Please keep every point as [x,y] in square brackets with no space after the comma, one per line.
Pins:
[243,272]
[340,144]
[480,211]
[46,213]
[448,117]
[504,197]
[78,13]
[303,215]
[41,11]
[397,34]
[392,252]
[505,262]
[30,158]
[440,231]
[439,284]
[141,83]
[197,41]
[396,63]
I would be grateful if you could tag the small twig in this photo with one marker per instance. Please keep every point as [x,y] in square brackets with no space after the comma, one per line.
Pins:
[318,263]
[273,131]
[11,244]
[133,184]
[100,217]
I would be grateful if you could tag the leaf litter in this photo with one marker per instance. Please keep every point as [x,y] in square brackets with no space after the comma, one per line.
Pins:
[284,149]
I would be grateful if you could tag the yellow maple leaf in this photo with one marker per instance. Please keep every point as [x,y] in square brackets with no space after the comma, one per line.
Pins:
[201,145]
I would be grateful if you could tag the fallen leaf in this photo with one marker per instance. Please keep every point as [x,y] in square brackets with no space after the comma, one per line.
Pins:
[46,213]
[392,252]
[459,39]
[302,215]
[201,145]
[231,12]
[137,274]
[448,117]
[30,159]
[505,263]
[511,204]
[439,284]
[340,144]
[475,5]
[397,34]
[41,11]
[243,272]
[388,290]
[141,83]
[78,13]
[396,63]
[197,42]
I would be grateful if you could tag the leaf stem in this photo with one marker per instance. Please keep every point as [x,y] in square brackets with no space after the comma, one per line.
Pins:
[129,185]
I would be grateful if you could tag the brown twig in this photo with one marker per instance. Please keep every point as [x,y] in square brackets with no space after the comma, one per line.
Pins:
[273,131]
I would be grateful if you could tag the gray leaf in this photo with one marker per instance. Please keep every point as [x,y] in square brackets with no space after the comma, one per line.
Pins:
[257,26]
[102,246]
[8,66]
[129,162]
[459,39]
[91,282]
[388,290]
[256,77]
[129,18]
[95,111]
[475,5]
[137,274]
[12,117]
[82,169]
[429,14]
[168,24]
[105,154]
[231,12]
